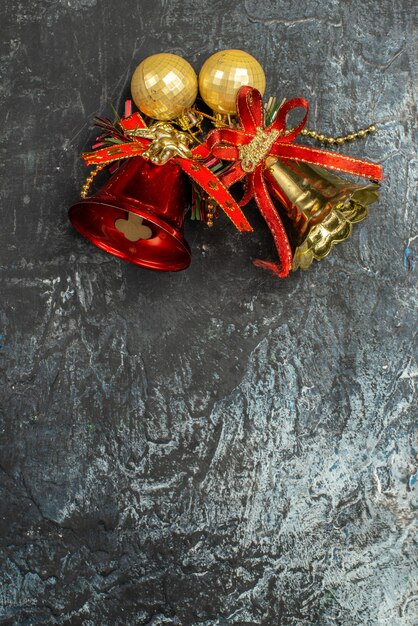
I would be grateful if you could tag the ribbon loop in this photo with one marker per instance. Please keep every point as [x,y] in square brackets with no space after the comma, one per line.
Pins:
[251,154]
[250,109]
[281,119]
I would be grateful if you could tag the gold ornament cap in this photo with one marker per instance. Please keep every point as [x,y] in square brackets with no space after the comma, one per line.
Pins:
[164,86]
[224,73]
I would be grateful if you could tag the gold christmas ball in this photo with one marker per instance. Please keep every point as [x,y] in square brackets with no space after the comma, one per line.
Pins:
[163,86]
[224,73]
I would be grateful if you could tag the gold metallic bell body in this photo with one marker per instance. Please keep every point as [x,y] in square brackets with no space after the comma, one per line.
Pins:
[223,74]
[164,86]
[321,206]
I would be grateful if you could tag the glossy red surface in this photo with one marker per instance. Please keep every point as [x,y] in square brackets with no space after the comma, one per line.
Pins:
[156,193]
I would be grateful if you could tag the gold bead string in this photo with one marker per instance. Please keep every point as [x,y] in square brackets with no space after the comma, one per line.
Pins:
[85,188]
[339,141]
[321,137]
[210,213]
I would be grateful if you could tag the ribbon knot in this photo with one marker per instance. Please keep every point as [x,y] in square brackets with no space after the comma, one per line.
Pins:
[161,143]
[250,148]
[251,154]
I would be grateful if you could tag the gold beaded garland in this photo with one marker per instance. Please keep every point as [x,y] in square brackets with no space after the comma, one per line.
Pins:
[210,214]
[85,188]
[360,134]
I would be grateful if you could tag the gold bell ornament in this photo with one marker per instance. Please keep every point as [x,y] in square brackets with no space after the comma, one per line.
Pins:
[321,206]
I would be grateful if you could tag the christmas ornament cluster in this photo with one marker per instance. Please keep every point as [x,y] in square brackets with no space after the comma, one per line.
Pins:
[173,156]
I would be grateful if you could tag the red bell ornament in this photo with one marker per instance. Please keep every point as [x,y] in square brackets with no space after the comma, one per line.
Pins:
[138,215]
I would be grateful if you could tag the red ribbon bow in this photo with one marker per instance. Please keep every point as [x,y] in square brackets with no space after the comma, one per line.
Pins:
[195,168]
[249,147]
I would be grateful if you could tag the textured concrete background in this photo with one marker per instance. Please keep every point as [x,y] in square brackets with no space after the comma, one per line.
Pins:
[213,447]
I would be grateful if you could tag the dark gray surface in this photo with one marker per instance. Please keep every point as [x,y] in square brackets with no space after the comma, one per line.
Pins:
[211,447]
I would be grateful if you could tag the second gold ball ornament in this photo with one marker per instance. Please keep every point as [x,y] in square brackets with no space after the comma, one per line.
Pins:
[224,73]
[164,86]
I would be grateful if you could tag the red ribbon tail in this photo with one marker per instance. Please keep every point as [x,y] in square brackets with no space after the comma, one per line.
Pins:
[248,190]
[216,190]
[133,121]
[272,267]
[272,218]
[116,152]
[330,160]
